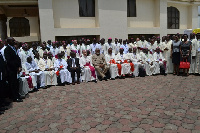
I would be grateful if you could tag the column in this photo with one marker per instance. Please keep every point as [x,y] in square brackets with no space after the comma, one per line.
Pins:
[46,20]
[3,27]
[163,18]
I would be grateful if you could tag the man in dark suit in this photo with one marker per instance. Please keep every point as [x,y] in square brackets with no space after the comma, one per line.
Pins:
[2,81]
[13,67]
[74,67]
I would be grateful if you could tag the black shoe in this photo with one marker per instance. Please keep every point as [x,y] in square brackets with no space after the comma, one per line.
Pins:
[100,79]
[67,83]
[17,100]
[123,77]
[112,79]
[44,87]
[105,79]
[95,81]
[132,76]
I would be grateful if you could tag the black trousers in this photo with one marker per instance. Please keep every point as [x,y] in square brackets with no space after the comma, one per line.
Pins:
[77,71]
[13,84]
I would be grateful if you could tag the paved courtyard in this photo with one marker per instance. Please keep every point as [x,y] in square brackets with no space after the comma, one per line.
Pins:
[151,104]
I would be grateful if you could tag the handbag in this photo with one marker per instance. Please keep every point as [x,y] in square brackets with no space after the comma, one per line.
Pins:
[184,65]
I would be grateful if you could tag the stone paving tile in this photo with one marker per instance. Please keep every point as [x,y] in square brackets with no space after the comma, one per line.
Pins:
[141,105]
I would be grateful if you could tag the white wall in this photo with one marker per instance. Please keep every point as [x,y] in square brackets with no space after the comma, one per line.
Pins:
[146,14]
[66,15]
[61,18]
[34,30]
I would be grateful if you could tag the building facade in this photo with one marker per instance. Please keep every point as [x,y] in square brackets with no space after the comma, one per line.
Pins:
[42,20]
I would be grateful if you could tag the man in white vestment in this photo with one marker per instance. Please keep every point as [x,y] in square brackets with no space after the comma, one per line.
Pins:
[33,70]
[135,59]
[42,50]
[24,54]
[125,67]
[193,53]
[75,47]
[158,61]
[110,60]
[66,49]
[147,61]
[54,50]
[88,71]
[167,53]
[197,66]
[108,45]
[125,47]
[94,46]
[60,66]
[46,65]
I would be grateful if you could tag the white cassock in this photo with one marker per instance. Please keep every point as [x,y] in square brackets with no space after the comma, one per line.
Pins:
[157,61]
[67,51]
[142,44]
[116,48]
[54,51]
[197,68]
[86,72]
[93,47]
[41,52]
[147,59]
[193,53]
[65,75]
[23,86]
[166,55]
[125,66]
[23,56]
[112,67]
[76,49]
[36,60]
[125,47]
[32,67]
[84,47]
[102,48]
[107,46]
[50,76]
[134,57]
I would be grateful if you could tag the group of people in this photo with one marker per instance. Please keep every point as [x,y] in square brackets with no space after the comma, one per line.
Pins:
[27,68]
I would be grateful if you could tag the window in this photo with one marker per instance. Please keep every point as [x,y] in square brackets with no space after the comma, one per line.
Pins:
[131,8]
[173,18]
[19,27]
[86,8]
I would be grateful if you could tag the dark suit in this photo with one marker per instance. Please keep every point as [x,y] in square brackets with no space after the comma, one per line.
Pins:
[3,71]
[13,64]
[76,70]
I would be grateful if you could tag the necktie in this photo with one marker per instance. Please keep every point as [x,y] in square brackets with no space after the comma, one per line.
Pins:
[73,63]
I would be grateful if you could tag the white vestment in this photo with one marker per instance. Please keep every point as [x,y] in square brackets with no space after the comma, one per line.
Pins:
[193,53]
[166,55]
[112,67]
[107,46]
[134,58]
[157,61]
[76,49]
[197,68]
[147,60]
[86,72]
[65,75]
[50,76]
[54,51]
[125,66]
[93,47]
[38,76]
